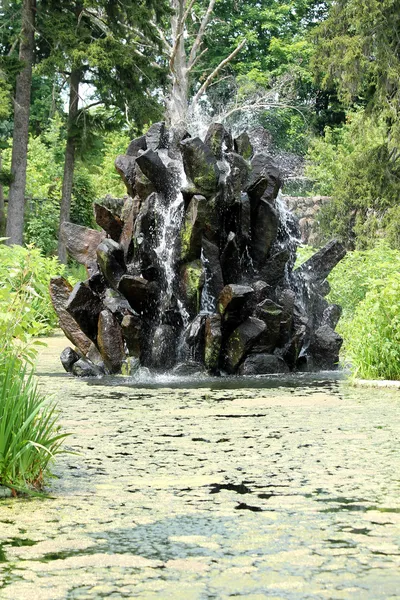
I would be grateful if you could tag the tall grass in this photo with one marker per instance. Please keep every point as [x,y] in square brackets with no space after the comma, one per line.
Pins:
[29,434]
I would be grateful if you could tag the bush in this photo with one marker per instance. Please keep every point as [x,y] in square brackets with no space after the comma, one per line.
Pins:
[359,272]
[29,435]
[374,344]
[366,284]
[25,306]
[354,165]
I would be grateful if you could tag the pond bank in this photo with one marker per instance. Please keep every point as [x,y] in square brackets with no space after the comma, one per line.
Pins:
[287,492]
[377,383]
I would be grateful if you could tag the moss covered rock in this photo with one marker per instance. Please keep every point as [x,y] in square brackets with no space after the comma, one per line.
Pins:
[192,282]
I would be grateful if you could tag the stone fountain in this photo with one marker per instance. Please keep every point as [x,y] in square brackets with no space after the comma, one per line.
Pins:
[193,270]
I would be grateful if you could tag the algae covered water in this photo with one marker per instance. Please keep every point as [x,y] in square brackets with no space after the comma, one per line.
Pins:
[287,490]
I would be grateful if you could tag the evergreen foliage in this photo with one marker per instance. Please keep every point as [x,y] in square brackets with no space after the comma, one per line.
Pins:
[353,165]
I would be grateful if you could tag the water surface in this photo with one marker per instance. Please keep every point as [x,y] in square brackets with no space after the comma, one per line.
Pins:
[278,488]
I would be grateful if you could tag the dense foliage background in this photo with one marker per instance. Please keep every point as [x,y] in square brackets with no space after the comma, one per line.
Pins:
[322,77]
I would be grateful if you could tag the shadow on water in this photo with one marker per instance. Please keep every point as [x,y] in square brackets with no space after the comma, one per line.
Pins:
[161,540]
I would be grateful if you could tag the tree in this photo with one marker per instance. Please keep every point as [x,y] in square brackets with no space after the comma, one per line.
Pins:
[5,110]
[248,56]
[359,52]
[110,47]
[16,198]
[183,57]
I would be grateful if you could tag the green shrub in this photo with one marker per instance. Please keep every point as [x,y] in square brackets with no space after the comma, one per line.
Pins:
[366,284]
[354,165]
[359,272]
[25,306]
[29,434]
[41,227]
[374,344]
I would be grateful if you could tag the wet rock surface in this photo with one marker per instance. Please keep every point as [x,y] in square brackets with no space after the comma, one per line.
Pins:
[285,492]
[202,231]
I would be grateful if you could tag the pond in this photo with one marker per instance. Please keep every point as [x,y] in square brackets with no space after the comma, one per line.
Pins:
[286,489]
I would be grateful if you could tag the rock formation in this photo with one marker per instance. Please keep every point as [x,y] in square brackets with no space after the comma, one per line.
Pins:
[194,270]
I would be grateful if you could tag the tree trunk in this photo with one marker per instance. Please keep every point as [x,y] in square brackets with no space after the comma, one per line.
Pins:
[179,100]
[2,210]
[16,197]
[69,162]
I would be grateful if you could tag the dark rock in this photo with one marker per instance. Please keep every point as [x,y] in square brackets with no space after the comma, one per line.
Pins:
[243,146]
[291,351]
[245,218]
[157,136]
[85,368]
[110,341]
[176,136]
[110,223]
[115,302]
[213,341]
[262,291]
[154,169]
[195,223]
[318,267]
[137,292]
[324,288]
[95,357]
[68,358]
[215,138]
[241,341]
[97,284]
[188,369]
[237,178]
[60,291]
[146,220]
[264,231]
[234,303]
[325,346]
[271,314]
[200,165]
[126,168]
[214,281]
[132,332]
[263,364]
[274,270]
[81,242]
[114,205]
[143,185]
[111,260]
[287,301]
[163,349]
[172,314]
[194,338]
[331,315]
[130,212]
[306,364]
[230,260]
[265,179]
[85,306]
[137,146]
